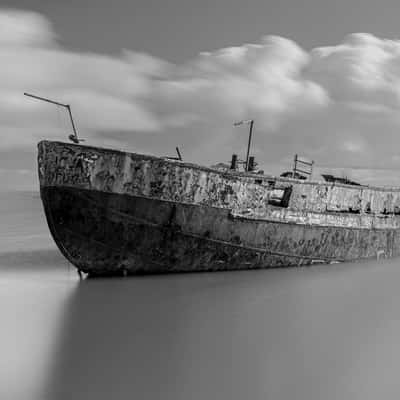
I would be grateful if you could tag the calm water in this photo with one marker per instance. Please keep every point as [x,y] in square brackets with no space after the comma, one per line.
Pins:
[314,333]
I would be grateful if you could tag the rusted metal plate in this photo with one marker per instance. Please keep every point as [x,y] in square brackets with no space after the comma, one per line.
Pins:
[111,211]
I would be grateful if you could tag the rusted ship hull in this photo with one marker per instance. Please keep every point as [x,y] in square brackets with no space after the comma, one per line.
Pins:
[120,213]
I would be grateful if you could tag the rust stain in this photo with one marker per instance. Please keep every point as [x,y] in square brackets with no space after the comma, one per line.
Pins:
[293,222]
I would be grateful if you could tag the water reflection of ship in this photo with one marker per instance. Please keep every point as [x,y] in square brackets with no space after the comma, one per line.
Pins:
[229,336]
[156,337]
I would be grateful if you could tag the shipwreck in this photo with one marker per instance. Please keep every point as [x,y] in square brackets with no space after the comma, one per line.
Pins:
[113,212]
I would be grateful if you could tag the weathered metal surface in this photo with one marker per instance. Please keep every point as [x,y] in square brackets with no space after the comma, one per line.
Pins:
[111,211]
[126,173]
[105,233]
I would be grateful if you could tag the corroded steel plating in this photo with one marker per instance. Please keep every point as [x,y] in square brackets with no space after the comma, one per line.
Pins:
[112,211]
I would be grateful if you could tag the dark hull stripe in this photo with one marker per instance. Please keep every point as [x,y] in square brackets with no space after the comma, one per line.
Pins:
[109,233]
[138,221]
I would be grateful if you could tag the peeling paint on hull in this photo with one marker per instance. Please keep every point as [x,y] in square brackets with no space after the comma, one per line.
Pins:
[120,213]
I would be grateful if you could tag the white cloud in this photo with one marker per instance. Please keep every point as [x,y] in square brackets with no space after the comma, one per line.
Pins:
[364,69]
[262,80]
[24,29]
[337,105]
[195,102]
[106,92]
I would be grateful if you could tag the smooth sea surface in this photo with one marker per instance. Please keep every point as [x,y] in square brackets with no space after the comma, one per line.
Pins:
[325,332]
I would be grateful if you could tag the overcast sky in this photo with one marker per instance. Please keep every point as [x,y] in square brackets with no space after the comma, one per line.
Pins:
[148,75]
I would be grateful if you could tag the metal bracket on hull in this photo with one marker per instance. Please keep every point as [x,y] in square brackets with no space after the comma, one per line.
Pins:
[380,254]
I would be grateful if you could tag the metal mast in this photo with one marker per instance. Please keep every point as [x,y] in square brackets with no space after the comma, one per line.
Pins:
[251,122]
[73,137]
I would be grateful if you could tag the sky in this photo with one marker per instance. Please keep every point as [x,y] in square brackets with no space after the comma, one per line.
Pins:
[320,79]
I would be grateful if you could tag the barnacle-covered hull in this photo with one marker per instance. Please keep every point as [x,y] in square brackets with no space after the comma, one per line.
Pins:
[113,212]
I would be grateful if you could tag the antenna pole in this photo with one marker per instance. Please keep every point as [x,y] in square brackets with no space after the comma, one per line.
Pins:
[179,153]
[47,100]
[72,121]
[249,144]
[67,106]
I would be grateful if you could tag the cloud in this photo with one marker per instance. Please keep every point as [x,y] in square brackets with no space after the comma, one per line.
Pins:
[105,92]
[361,125]
[336,105]
[24,29]
[262,80]
[363,69]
